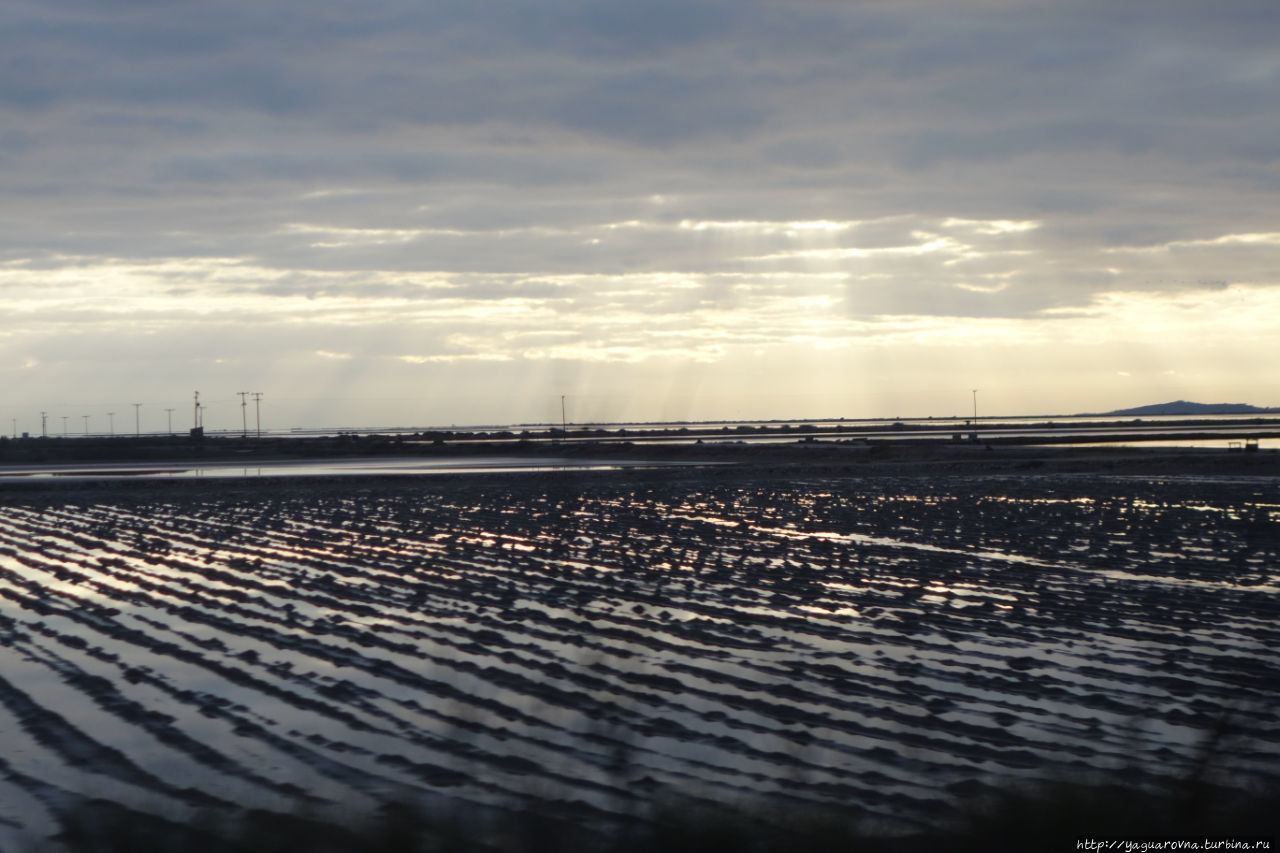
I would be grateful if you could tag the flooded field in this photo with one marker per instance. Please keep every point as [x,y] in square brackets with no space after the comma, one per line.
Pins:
[375,466]
[587,643]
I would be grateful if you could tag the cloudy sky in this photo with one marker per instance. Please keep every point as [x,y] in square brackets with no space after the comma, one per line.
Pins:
[451,211]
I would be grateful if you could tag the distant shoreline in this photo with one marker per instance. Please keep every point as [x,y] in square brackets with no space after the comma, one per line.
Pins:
[596,440]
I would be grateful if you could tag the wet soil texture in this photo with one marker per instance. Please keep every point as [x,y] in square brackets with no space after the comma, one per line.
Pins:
[893,645]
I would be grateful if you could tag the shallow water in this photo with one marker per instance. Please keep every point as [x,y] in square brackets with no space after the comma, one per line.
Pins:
[409,466]
[515,642]
[1224,444]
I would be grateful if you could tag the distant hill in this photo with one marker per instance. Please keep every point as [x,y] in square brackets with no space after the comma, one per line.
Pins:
[1183,407]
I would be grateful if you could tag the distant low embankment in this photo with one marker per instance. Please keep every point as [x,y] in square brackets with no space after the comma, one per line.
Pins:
[1179,408]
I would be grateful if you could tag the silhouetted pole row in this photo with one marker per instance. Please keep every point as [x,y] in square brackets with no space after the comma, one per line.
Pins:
[197,415]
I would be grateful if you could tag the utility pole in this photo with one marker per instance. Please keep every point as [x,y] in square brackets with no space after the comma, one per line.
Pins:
[170,411]
[564,425]
[44,424]
[86,425]
[137,419]
[257,410]
[244,414]
[195,415]
[111,420]
[64,426]
[974,432]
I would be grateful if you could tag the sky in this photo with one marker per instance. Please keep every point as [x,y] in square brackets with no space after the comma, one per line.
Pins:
[435,212]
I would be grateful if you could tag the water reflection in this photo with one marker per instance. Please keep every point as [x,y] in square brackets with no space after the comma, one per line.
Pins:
[330,468]
[1201,443]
